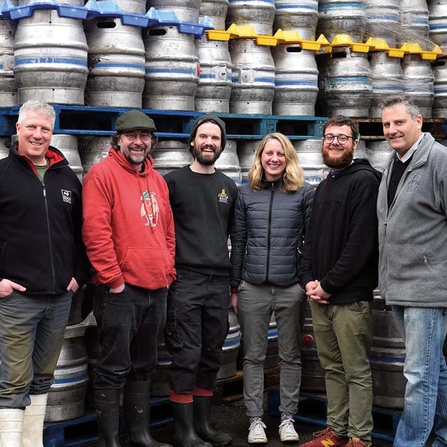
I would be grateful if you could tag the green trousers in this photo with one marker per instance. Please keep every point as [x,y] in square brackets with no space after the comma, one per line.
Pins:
[343,335]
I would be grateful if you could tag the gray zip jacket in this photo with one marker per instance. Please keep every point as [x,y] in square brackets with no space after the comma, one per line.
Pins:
[413,231]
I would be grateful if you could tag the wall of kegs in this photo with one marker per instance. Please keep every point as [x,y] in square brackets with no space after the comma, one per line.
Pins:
[278,60]
[283,58]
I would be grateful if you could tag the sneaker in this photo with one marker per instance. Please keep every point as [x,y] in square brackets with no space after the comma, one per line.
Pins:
[357,443]
[287,431]
[256,434]
[327,437]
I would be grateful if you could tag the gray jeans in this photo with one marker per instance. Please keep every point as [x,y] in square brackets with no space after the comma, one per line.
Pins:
[256,303]
[32,330]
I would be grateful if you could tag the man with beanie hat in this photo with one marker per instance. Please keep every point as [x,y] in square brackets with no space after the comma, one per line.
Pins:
[202,201]
[129,234]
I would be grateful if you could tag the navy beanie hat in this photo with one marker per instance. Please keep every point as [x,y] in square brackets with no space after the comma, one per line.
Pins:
[208,119]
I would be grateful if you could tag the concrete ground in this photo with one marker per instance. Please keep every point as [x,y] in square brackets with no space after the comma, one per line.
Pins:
[231,418]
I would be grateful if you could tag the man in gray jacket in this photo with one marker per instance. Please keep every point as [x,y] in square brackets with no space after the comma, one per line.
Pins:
[412,212]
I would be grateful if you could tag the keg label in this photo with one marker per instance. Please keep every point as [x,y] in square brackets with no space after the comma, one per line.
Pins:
[66,196]
[222,197]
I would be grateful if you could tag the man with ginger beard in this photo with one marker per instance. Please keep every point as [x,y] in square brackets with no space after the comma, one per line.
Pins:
[202,200]
[339,273]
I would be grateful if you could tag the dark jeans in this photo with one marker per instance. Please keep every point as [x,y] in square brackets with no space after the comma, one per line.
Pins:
[196,328]
[129,324]
[32,330]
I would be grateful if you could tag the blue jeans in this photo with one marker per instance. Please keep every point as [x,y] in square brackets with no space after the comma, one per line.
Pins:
[32,330]
[256,304]
[425,407]
[129,324]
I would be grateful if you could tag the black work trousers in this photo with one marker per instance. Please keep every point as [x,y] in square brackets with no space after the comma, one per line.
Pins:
[196,327]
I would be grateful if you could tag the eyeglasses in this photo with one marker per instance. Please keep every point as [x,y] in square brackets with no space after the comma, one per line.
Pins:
[342,139]
[132,136]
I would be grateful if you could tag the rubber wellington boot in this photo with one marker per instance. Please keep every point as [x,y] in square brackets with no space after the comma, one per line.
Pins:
[11,426]
[33,420]
[201,422]
[184,431]
[107,404]
[137,396]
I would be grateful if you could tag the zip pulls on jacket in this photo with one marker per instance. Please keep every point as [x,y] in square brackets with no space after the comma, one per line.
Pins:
[272,193]
[50,242]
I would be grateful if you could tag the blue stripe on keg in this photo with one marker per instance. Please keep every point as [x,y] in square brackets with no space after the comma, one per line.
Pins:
[383,17]
[389,89]
[350,5]
[207,76]
[297,7]
[356,80]
[50,60]
[228,344]
[273,333]
[253,1]
[440,90]
[387,359]
[284,83]
[174,70]
[75,379]
[268,80]
[420,21]
[437,27]
[115,65]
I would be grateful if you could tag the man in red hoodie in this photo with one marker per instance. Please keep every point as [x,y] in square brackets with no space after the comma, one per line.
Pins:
[128,231]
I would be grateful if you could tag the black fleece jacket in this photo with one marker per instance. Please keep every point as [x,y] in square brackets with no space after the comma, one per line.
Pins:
[40,225]
[342,250]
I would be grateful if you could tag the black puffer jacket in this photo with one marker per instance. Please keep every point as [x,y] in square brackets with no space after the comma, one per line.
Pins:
[268,233]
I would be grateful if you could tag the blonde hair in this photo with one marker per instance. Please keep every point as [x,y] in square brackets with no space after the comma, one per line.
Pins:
[293,176]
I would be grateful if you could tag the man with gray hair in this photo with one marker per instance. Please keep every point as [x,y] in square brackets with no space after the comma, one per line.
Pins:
[412,212]
[42,263]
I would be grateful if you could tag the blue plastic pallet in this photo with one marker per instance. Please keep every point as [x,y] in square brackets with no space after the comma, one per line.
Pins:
[313,409]
[101,8]
[82,120]
[83,431]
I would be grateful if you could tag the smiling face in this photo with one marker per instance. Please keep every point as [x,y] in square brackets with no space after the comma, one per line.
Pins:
[135,145]
[338,155]
[401,130]
[207,144]
[34,135]
[273,160]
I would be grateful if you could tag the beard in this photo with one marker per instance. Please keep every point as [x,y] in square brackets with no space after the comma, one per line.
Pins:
[337,162]
[203,160]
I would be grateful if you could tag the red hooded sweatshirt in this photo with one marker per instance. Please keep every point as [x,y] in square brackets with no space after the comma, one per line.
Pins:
[128,227]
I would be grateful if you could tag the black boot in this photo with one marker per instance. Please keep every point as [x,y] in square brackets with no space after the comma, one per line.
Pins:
[184,431]
[202,425]
[107,404]
[137,396]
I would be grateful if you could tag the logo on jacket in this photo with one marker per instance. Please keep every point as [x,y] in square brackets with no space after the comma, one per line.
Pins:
[149,208]
[222,197]
[413,184]
[66,196]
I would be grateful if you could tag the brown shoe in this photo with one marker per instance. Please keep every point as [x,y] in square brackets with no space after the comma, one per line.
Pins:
[357,443]
[328,437]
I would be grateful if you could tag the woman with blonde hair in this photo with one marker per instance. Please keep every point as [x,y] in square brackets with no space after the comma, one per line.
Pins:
[271,220]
